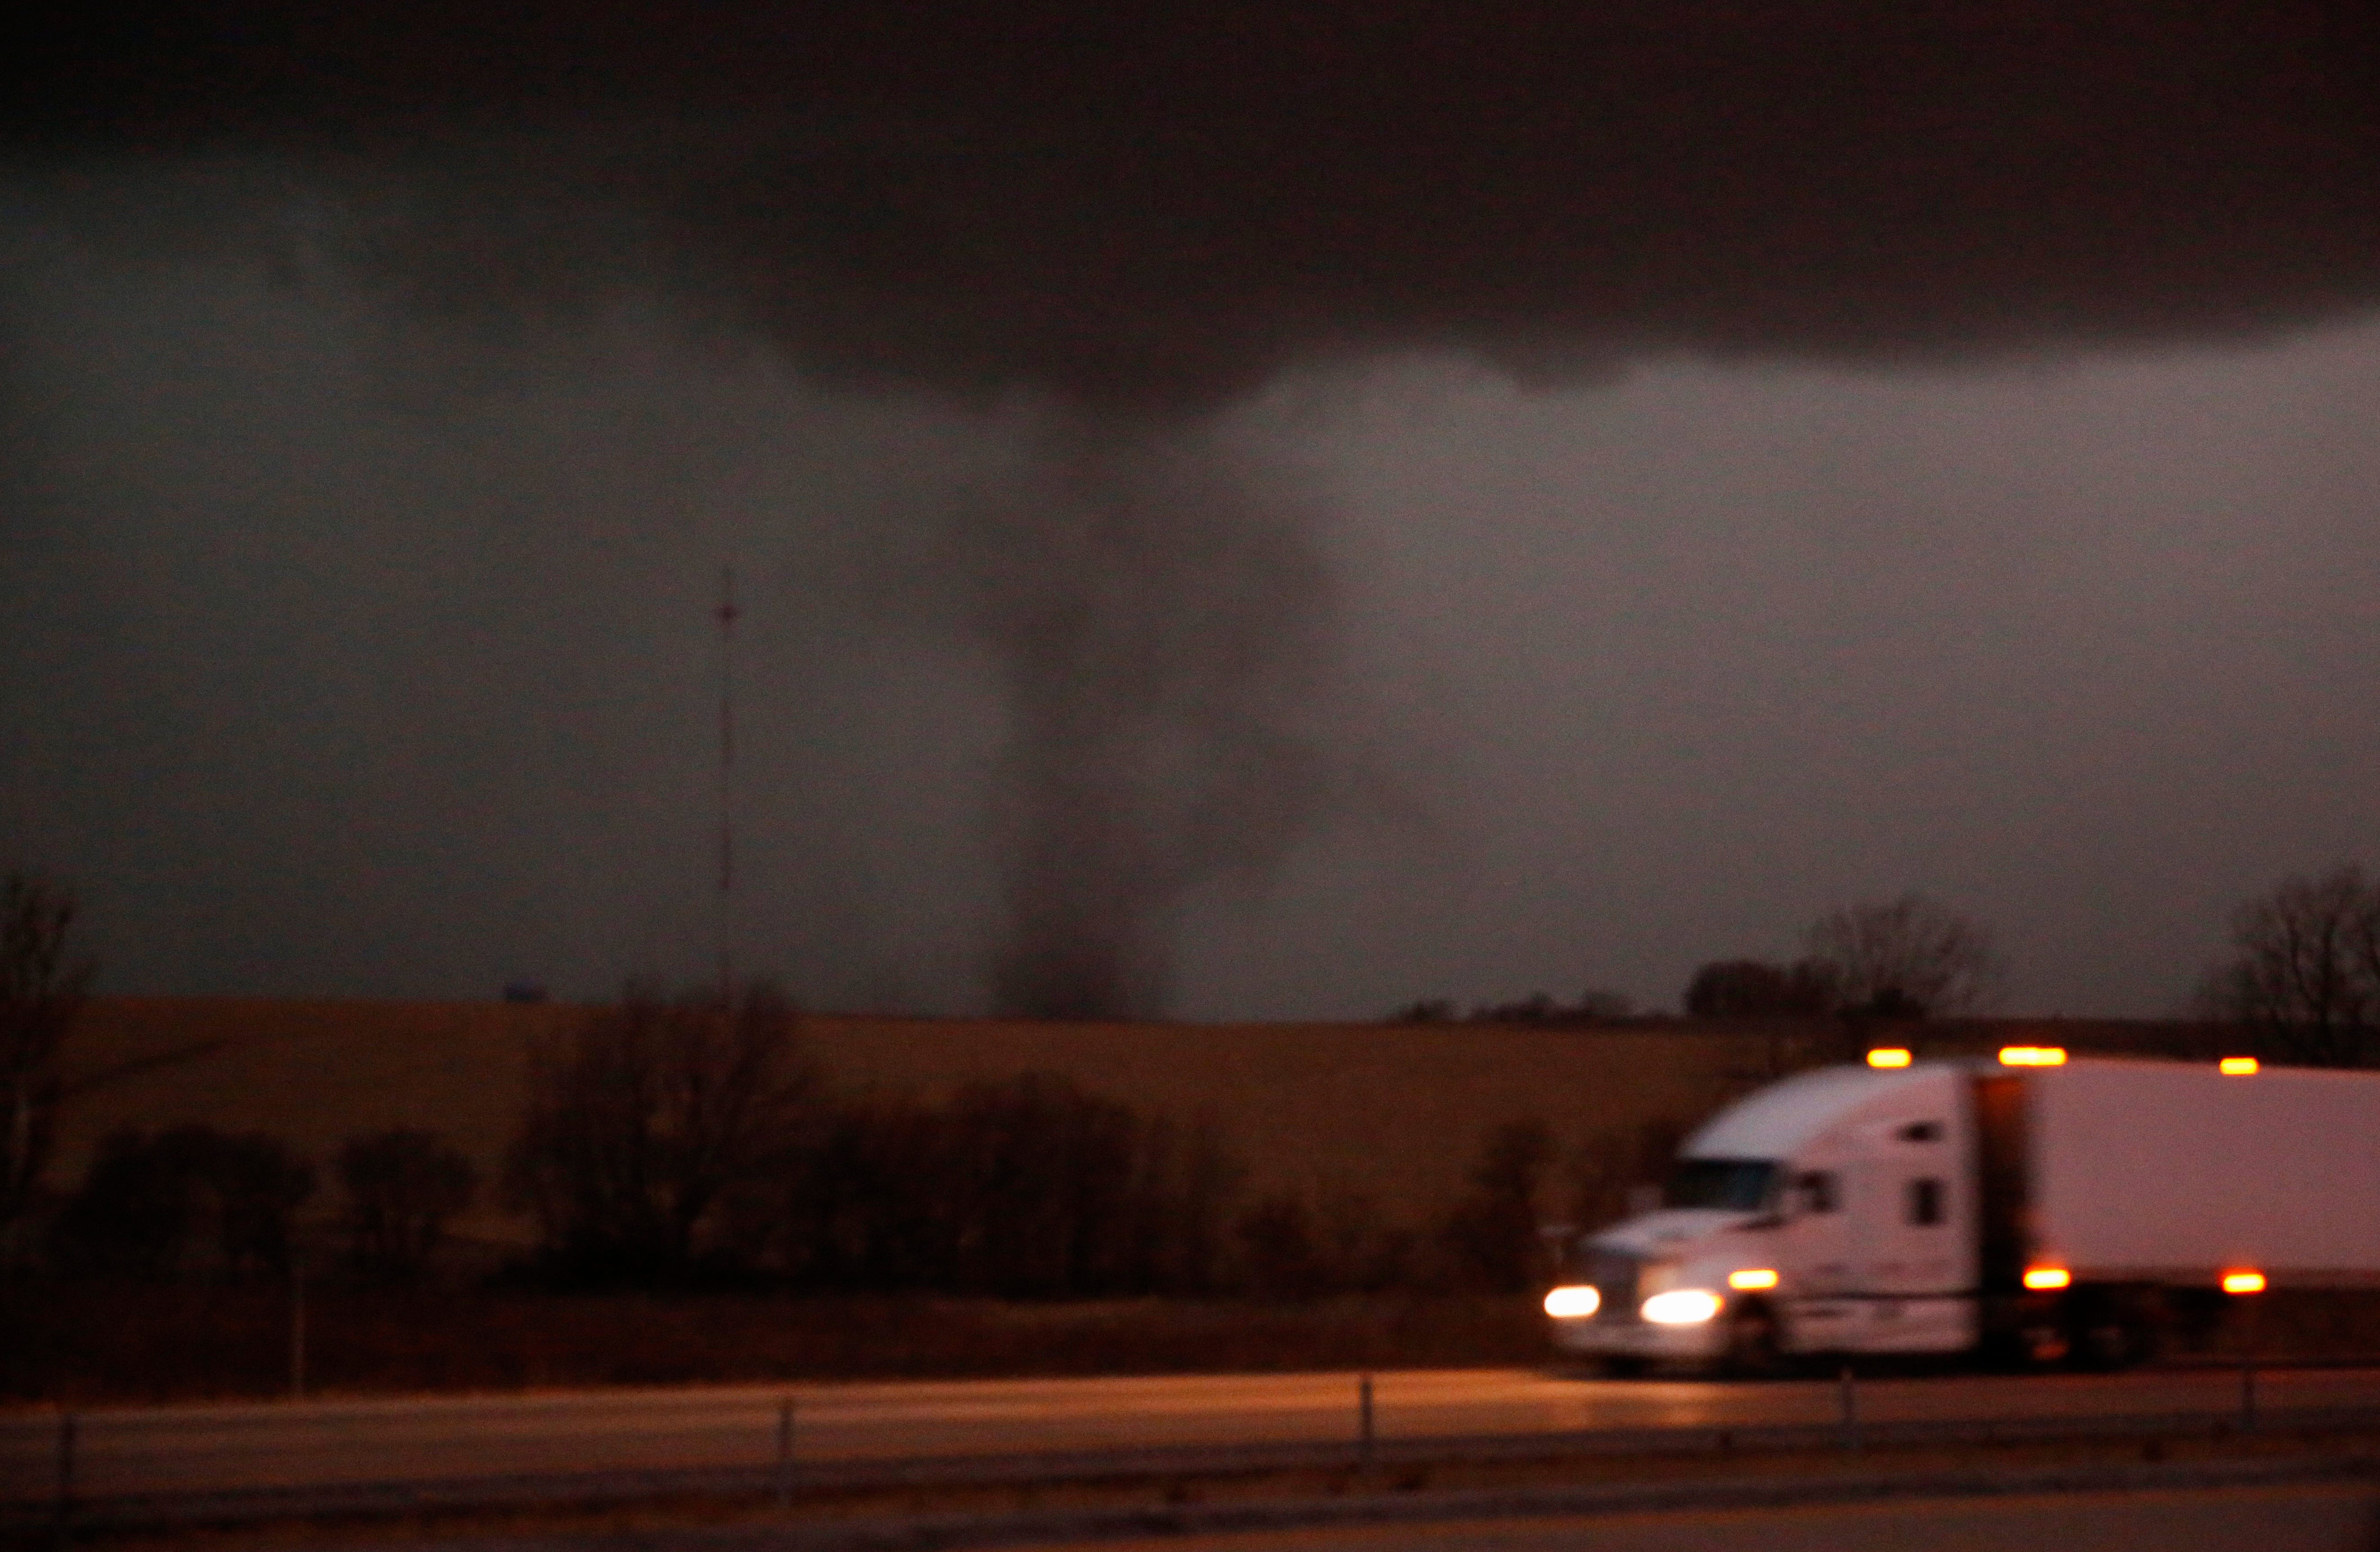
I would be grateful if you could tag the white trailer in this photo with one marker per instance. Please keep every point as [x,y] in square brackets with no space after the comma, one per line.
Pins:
[2031,1208]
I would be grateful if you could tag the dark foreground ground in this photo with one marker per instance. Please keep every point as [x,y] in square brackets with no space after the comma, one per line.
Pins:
[85,1345]
[2272,1491]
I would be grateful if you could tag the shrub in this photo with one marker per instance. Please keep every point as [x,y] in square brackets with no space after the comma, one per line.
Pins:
[146,1198]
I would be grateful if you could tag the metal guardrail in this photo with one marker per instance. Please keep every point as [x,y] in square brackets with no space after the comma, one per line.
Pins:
[64,1509]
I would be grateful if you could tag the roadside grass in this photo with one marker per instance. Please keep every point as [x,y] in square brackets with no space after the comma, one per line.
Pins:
[87,1345]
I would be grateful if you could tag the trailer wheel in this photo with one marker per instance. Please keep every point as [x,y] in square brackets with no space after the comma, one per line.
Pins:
[1752,1346]
[1624,1369]
[2113,1329]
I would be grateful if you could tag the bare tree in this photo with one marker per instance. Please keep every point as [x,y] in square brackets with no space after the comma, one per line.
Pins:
[402,1187]
[2304,976]
[1278,1250]
[1030,1187]
[1606,1172]
[1907,958]
[1594,1006]
[641,1132]
[1043,1177]
[186,1200]
[1491,1235]
[1758,988]
[131,1218]
[257,1185]
[42,988]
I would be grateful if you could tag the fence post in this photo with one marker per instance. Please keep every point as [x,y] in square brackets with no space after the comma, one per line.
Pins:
[785,1452]
[297,1325]
[63,1532]
[1847,1388]
[1363,1423]
[2247,1288]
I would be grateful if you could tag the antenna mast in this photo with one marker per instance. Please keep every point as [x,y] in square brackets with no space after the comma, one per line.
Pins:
[726,615]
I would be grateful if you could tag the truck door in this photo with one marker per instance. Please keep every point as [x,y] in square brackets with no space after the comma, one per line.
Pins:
[1819,1226]
[1907,1219]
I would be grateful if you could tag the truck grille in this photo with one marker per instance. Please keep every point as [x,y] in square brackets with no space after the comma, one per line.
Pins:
[1613,1273]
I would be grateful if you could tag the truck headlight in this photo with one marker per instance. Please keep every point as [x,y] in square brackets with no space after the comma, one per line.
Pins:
[1574,1301]
[1682,1306]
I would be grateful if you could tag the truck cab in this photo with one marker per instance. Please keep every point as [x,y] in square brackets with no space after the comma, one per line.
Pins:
[1837,1211]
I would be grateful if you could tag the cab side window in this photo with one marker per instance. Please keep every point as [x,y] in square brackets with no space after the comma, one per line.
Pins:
[1817,1192]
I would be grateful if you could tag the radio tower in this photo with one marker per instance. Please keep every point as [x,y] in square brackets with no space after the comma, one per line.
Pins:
[727,613]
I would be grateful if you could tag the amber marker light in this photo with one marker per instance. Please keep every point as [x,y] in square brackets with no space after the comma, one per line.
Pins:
[1752,1279]
[2033,1055]
[2237,1066]
[2243,1281]
[2042,1279]
[1892,1055]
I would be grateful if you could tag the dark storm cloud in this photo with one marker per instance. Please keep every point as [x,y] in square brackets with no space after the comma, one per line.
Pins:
[1121,208]
[1129,222]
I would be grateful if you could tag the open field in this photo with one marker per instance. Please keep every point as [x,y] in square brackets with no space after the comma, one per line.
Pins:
[1394,1113]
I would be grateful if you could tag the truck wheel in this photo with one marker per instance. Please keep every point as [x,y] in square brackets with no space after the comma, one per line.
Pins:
[2105,1346]
[2042,1343]
[1623,1368]
[1753,1349]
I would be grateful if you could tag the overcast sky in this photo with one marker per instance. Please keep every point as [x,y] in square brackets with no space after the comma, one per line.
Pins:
[1235,582]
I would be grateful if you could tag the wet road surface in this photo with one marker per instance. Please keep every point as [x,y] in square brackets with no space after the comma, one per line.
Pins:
[186,1448]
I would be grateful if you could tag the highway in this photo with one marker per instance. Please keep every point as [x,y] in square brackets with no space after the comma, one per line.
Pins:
[122,1451]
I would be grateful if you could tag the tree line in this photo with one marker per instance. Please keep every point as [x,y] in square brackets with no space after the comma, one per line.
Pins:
[1905,958]
[2298,983]
[677,1140]
[675,1143]
[672,1140]
[191,1202]
[2302,977]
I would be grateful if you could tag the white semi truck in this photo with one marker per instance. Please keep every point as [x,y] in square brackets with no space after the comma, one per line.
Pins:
[2030,1207]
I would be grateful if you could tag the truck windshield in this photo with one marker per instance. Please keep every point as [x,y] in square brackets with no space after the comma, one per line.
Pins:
[1735,1184]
